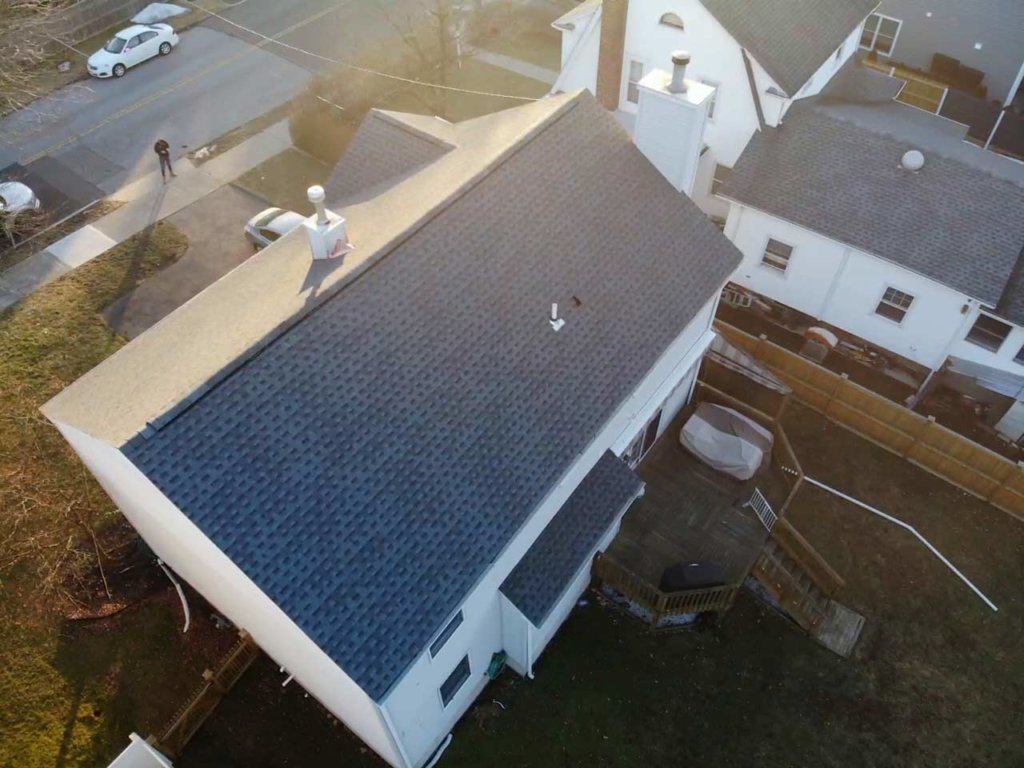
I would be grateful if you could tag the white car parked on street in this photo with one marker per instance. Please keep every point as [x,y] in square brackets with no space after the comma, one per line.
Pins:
[132,46]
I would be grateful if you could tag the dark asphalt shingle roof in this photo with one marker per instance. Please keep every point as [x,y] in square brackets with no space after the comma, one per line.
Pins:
[791,39]
[540,579]
[369,465]
[834,168]
[384,150]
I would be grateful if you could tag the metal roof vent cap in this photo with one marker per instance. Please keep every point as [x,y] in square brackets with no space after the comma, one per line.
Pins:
[912,160]
[680,59]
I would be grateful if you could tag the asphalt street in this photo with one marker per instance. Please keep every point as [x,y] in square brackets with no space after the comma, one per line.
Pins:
[101,132]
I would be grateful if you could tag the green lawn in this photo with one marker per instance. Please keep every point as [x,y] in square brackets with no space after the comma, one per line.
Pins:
[71,691]
[283,180]
[936,679]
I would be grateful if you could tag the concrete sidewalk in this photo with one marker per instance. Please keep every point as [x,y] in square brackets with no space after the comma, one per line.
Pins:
[520,67]
[147,201]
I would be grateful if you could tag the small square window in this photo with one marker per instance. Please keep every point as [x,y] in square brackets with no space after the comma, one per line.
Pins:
[776,255]
[720,176]
[455,681]
[636,74]
[894,305]
[1019,357]
[988,333]
[446,633]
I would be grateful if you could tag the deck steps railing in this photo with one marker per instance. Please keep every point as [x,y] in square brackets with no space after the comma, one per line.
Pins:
[216,683]
[763,509]
[662,605]
[797,576]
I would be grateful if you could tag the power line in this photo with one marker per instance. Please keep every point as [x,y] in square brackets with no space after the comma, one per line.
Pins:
[358,68]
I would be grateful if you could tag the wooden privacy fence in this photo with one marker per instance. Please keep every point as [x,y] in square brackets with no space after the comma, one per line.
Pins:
[188,719]
[661,605]
[916,438]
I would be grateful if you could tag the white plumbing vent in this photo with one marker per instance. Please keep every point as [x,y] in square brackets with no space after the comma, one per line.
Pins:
[328,232]
[912,160]
[556,321]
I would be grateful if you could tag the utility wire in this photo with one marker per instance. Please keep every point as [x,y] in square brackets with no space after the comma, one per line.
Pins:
[358,68]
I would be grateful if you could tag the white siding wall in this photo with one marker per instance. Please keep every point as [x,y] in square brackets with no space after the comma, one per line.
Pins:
[414,705]
[580,48]
[514,629]
[842,286]
[179,543]
[830,66]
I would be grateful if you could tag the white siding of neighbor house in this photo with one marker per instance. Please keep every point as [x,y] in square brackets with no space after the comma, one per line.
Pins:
[580,48]
[514,630]
[180,544]
[830,66]
[842,286]
[414,704]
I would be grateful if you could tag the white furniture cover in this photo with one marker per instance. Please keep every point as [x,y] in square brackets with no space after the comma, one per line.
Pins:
[726,440]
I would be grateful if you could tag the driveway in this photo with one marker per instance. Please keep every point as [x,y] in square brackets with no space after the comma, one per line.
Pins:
[216,246]
[103,130]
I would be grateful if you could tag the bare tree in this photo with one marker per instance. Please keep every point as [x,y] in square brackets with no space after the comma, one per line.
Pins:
[25,40]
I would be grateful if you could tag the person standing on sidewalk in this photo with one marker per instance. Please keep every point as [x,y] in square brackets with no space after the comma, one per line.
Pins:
[163,151]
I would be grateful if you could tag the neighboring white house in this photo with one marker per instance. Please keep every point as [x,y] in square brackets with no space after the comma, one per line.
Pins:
[393,467]
[760,58]
[919,254]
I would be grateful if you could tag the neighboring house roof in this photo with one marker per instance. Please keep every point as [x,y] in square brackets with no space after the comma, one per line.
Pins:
[540,579]
[364,438]
[834,167]
[388,147]
[791,39]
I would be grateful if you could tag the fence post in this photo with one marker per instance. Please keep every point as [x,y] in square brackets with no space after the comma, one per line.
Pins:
[1004,480]
[917,438]
[840,383]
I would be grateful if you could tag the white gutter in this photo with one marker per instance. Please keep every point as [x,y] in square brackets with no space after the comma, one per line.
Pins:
[181,595]
[394,736]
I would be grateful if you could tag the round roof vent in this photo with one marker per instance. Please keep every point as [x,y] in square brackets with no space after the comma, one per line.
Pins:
[912,160]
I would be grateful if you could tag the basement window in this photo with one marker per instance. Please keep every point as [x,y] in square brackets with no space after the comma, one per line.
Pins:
[446,633]
[1019,357]
[671,20]
[894,305]
[989,333]
[776,255]
[455,681]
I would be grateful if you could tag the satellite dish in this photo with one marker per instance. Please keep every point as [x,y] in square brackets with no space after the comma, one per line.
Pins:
[912,160]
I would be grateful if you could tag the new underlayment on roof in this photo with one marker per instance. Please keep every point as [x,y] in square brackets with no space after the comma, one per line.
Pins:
[365,438]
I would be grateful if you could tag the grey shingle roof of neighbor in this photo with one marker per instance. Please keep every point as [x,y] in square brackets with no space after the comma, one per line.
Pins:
[368,464]
[834,167]
[540,579]
[791,39]
[387,148]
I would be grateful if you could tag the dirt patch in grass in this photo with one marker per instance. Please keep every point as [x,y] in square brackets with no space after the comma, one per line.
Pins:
[283,180]
[11,256]
[934,681]
[72,691]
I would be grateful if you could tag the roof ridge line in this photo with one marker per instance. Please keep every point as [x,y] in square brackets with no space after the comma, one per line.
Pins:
[390,118]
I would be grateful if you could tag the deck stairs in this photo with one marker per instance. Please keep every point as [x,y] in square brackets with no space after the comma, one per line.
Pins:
[803,585]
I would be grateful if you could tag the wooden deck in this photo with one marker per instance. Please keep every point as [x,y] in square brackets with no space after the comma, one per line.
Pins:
[689,513]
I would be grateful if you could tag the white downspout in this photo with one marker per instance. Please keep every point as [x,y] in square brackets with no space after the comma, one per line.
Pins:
[574,54]
[529,652]
[835,282]
[969,316]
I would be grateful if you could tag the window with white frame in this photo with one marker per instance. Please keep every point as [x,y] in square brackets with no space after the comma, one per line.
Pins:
[894,305]
[455,681]
[880,33]
[671,20]
[719,177]
[1019,357]
[634,76]
[713,100]
[989,333]
[445,635]
[776,255]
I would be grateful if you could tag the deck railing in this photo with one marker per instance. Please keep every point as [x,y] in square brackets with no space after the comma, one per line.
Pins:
[194,712]
[662,605]
[763,509]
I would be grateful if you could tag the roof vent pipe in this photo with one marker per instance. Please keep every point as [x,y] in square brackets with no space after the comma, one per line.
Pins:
[912,160]
[316,196]
[327,231]
[679,61]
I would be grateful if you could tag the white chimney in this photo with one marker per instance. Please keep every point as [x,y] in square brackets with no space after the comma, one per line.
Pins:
[328,233]
[670,120]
